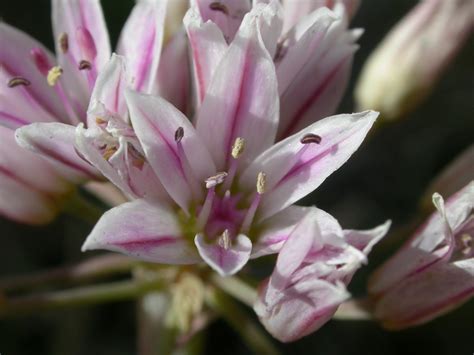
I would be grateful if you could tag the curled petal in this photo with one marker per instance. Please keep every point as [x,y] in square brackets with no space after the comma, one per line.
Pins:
[364,240]
[243,94]
[294,169]
[146,231]
[181,166]
[424,296]
[55,142]
[141,42]
[226,260]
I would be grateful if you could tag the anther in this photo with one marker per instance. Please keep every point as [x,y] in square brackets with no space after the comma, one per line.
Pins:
[215,180]
[466,240]
[53,75]
[17,81]
[179,134]
[41,60]
[63,41]
[261,182]
[217,6]
[224,240]
[85,65]
[311,138]
[238,147]
[100,120]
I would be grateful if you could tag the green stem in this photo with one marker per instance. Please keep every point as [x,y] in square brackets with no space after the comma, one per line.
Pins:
[356,309]
[250,332]
[236,288]
[117,291]
[80,207]
[88,270]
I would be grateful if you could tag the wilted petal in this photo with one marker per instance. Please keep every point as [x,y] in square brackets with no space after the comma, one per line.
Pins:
[23,104]
[294,169]
[243,95]
[226,260]
[110,87]
[207,48]
[141,42]
[181,171]
[300,309]
[227,14]
[87,39]
[143,230]
[364,240]
[426,295]
[55,142]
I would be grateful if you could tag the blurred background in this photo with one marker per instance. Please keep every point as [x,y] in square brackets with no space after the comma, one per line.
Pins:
[385,179]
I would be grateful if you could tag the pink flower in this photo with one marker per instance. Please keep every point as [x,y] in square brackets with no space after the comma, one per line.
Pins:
[316,46]
[434,271]
[223,189]
[316,262]
[53,93]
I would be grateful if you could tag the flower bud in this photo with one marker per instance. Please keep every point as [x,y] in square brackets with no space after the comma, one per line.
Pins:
[404,68]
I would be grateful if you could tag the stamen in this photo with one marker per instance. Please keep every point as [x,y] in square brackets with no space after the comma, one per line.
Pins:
[63,41]
[466,240]
[100,120]
[17,81]
[215,180]
[179,134]
[217,6]
[41,60]
[53,75]
[206,209]
[311,138]
[86,44]
[224,240]
[261,182]
[109,151]
[238,147]
[85,65]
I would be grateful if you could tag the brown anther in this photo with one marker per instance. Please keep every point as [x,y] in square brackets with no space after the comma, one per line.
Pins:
[17,81]
[215,180]
[217,6]
[179,134]
[63,42]
[100,120]
[311,138]
[85,65]
[107,154]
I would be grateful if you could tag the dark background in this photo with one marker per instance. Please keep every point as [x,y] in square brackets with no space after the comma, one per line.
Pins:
[384,179]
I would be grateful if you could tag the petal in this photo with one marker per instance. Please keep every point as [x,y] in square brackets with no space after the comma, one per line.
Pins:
[243,95]
[174,77]
[299,310]
[83,23]
[30,189]
[276,230]
[427,295]
[55,141]
[294,251]
[141,41]
[227,14]
[225,260]
[109,88]
[146,231]
[182,172]
[208,47]
[321,48]
[293,169]
[364,240]
[24,104]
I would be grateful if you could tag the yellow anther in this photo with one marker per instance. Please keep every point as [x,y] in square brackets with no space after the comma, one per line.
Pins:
[261,182]
[238,147]
[54,74]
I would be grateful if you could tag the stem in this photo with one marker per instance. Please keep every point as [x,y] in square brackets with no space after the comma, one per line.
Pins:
[253,336]
[357,309]
[117,291]
[91,269]
[236,288]
[80,207]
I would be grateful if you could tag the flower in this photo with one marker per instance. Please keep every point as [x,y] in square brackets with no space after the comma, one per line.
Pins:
[318,47]
[53,94]
[433,272]
[403,69]
[316,262]
[223,187]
